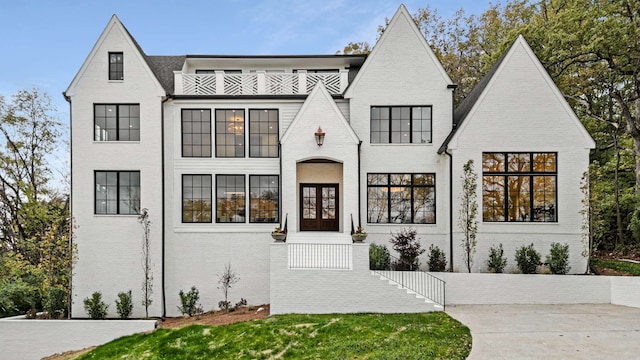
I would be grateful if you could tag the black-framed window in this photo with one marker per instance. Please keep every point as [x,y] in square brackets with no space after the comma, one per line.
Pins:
[401,198]
[264,203]
[196,132]
[116,66]
[116,122]
[263,133]
[519,187]
[230,199]
[196,198]
[117,192]
[229,132]
[401,124]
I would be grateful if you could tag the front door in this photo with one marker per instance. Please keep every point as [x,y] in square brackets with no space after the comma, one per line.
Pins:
[319,207]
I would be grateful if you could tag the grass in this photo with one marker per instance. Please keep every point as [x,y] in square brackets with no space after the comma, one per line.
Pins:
[334,336]
[622,266]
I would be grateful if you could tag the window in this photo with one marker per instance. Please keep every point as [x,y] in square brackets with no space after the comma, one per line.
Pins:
[196,133]
[230,199]
[401,198]
[116,66]
[117,192]
[263,133]
[400,124]
[230,133]
[519,187]
[116,122]
[264,200]
[196,198]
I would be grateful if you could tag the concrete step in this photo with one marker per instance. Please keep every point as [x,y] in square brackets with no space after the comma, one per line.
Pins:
[408,291]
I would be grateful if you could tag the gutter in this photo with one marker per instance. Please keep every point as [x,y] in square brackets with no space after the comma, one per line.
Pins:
[162,280]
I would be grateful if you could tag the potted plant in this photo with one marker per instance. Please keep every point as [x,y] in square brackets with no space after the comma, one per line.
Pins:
[359,235]
[278,234]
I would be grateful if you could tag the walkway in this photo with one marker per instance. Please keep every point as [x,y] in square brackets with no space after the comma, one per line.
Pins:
[598,331]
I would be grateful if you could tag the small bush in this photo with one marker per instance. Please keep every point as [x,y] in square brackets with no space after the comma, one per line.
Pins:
[95,307]
[408,247]
[224,305]
[497,261]
[189,301]
[437,259]
[239,304]
[54,303]
[558,259]
[379,258]
[527,259]
[124,304]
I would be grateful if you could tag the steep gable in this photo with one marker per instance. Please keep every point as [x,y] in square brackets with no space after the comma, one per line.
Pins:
[115,33]
[519,89]
[385,64]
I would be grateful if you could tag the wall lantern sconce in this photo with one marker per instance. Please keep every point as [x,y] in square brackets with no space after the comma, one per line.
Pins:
[319,136]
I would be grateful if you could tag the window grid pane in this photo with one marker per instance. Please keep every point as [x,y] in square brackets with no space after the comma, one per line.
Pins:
[264,199]
[401,198]
[116,66]
[263,133]
[400,124]
[230,133]
[113,122]
[196,198]
[196,133]
[117,192]
[230,199]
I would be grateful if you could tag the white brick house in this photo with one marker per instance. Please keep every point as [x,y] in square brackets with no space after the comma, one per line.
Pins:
[222,149]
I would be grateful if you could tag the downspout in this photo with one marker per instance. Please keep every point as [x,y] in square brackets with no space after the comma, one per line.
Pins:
[69,296]
[359,188]
[280,184]
[450,209]
[162,280]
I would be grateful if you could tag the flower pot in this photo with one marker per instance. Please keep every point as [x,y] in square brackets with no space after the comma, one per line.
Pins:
[358,237]
[279,237]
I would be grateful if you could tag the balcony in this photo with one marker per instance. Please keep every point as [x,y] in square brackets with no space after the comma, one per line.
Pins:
[259,83]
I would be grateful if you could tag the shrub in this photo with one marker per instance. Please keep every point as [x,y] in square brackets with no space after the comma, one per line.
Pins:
[54,303]
[226,280]
[379,258]
[16,297]
[408,247]
[242,302]
[95,307]
[497,261]
[527,259]
[224,305]
[437,259]
[124,304]
[189,301]
[558,258]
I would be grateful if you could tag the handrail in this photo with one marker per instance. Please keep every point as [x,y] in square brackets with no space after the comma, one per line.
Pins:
[410,277]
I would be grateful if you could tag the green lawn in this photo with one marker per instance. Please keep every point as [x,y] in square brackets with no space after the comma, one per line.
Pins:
[334,336]
[623,266]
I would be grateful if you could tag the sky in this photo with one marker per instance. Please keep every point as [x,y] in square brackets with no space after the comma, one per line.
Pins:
[44,42]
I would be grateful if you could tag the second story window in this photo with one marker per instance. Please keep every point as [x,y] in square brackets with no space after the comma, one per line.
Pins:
[263,133]
[401,124]
[196,133]
[230,133]
[116,122]
[116,66]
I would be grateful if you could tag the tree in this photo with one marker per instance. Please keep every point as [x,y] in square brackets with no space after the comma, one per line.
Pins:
[147,283]
[467,221]
[226,280]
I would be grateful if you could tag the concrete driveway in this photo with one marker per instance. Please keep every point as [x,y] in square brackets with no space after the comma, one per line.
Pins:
[592,331]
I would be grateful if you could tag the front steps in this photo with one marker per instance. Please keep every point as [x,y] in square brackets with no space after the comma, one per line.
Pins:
[421,299]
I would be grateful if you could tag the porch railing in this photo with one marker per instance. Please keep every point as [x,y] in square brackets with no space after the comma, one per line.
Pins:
[320,256]
[410,277]
[259,83]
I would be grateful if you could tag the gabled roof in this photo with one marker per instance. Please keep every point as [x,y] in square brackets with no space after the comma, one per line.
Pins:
[401,13]
[163,67]
[468,105]
[113,22]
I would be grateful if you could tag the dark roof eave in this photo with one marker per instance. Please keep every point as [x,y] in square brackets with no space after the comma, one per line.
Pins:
[245,97]
[323,56]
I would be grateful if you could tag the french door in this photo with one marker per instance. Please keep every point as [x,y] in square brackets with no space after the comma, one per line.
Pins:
[319,207]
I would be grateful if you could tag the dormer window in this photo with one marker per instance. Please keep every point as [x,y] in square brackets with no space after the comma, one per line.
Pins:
[116,66]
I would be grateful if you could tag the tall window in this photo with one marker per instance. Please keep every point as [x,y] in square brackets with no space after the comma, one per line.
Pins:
[196,132]
[116,122]
[116,66]
[196,198]
[117,192]
[264,200]
[229,133]
[401,198]
[230,199]
[263,133]
[519,187]
[400,124]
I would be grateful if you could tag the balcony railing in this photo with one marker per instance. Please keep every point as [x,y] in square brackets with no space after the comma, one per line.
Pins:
[320,256]
[259,83]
